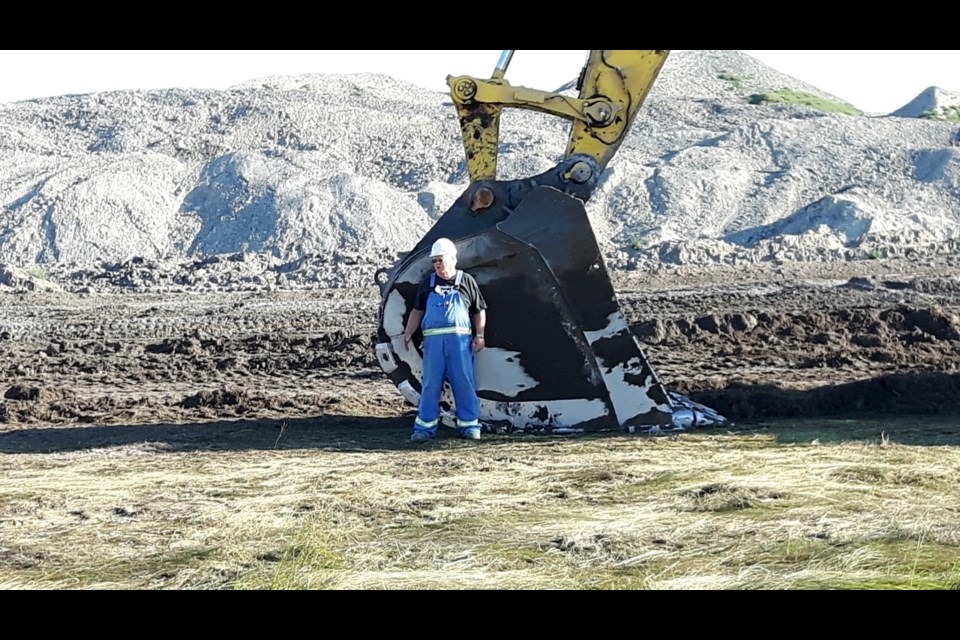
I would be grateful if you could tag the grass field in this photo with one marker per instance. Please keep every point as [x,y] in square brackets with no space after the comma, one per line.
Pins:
[820,504]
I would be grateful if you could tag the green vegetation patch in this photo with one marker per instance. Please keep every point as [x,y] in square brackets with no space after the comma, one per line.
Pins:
[732,78]
[789,96]
[950,114]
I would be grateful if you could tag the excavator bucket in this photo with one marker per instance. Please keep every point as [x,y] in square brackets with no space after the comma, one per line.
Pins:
[559,353]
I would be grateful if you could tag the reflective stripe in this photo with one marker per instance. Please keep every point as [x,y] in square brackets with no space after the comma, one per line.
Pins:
[463,424]
[463,331]
[425,425]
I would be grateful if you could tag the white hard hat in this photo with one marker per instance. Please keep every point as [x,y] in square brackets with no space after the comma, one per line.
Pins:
[443,247]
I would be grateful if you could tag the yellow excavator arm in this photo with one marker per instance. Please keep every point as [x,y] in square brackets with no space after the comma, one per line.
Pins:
[612,85]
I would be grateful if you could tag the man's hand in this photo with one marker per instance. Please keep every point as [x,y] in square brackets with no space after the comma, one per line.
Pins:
[413,323]
[479,343]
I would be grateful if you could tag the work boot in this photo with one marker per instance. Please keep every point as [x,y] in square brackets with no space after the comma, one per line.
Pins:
[470,433]
[422,435]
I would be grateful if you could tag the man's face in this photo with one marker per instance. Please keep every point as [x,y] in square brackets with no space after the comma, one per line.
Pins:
[444,265]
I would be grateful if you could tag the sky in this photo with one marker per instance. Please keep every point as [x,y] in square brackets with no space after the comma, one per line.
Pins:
[876,81]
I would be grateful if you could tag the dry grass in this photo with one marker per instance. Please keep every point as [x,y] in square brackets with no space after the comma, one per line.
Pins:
[816,505]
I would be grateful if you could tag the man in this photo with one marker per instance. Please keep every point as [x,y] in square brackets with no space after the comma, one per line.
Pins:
[448,300]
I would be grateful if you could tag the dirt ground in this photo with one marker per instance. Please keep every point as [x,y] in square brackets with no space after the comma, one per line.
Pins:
[869,337]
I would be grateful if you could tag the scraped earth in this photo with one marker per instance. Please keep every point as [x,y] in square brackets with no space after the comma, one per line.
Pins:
[833,339]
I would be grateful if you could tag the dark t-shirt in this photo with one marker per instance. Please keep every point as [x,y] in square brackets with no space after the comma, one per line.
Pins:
[468,288]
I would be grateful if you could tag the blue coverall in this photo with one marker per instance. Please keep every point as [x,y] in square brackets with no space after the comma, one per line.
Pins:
[447,353]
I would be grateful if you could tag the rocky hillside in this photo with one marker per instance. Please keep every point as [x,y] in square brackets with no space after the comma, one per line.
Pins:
[932,103]
[319,168]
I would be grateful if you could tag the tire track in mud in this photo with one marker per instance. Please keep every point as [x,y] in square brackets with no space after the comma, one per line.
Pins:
[132,359]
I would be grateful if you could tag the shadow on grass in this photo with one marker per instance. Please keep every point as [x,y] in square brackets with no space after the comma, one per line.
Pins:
[335,432]
[917,409]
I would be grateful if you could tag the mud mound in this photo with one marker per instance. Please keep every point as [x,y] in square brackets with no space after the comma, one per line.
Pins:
[921,393]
